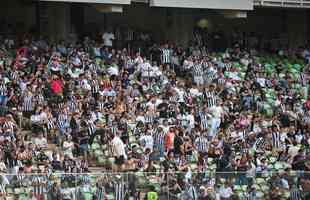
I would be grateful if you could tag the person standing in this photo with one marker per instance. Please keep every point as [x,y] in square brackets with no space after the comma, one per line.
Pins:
[166,54]
[118,151]
[108,38]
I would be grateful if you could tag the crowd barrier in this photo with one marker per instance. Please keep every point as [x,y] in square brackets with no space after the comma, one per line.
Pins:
[170,186]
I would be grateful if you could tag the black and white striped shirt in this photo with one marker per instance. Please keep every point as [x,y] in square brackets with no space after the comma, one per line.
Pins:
[295,194]
[39,184]
[39,99]
[174,98]
[3,90]
[28,103]
[94,67]
[210,98]
[62,121]
[276,140]
[201,144]
[259,144]
[9,125]
[14,75]
[166,56]
[120,190]
[149,118]
[159,138]
[101,105]
[197,70]
[73,105]
[3,189]
[130,35]
[91,127]
[51,124]
[204,120]
[95,87]
[100,192]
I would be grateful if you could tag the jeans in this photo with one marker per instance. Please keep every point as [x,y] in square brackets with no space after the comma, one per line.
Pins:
[3,100]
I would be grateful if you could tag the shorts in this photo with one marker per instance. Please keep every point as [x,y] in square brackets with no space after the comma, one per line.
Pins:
[83,147]
[119,160]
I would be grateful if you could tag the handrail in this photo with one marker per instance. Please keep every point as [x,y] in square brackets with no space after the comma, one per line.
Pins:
[283,3]
[146,173]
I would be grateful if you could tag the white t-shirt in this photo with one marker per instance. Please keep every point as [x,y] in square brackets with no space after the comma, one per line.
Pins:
[113,70]
[226,192]
[118,147]
[216,111]
[40,142]
[146,70]
[148,141]
[191,120]
[68,146]
[108,39]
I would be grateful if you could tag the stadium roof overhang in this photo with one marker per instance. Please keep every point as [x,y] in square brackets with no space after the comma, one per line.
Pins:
[201,4]
[123,2]
[205,4]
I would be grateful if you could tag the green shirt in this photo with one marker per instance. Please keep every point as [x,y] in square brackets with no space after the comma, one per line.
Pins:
[152,196]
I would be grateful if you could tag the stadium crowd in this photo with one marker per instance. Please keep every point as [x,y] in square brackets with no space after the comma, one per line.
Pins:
[187,122]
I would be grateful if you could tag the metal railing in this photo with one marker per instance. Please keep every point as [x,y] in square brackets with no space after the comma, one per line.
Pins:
[89,186]
[283,3]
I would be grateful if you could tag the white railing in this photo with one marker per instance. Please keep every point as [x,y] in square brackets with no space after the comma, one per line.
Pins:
[88,185]
[283,3]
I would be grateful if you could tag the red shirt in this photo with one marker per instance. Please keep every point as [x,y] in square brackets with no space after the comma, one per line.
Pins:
[169,140]
[56,86]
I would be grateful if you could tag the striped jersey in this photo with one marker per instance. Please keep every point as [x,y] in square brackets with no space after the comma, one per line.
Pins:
[159,138]
[166,56]
[295,194]
[174,98]
[2,189]
[91,127]
[39,184]
[100,192]
[73,105]
[95,87]
[101,105]
[62,121]
[9,125]
[119,190]
[50,124]
[259,144]
[39,99]
[3,90]
[276,140]
[201,144]
[204,120]
[149,118]
[94,68]
[197,70]
[28,103]
[210,98]
[130,35]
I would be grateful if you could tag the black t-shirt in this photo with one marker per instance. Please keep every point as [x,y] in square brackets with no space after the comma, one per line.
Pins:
[168,164]
[163,107]
[178,142]
[285,121]
[299,164]
[56,164]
